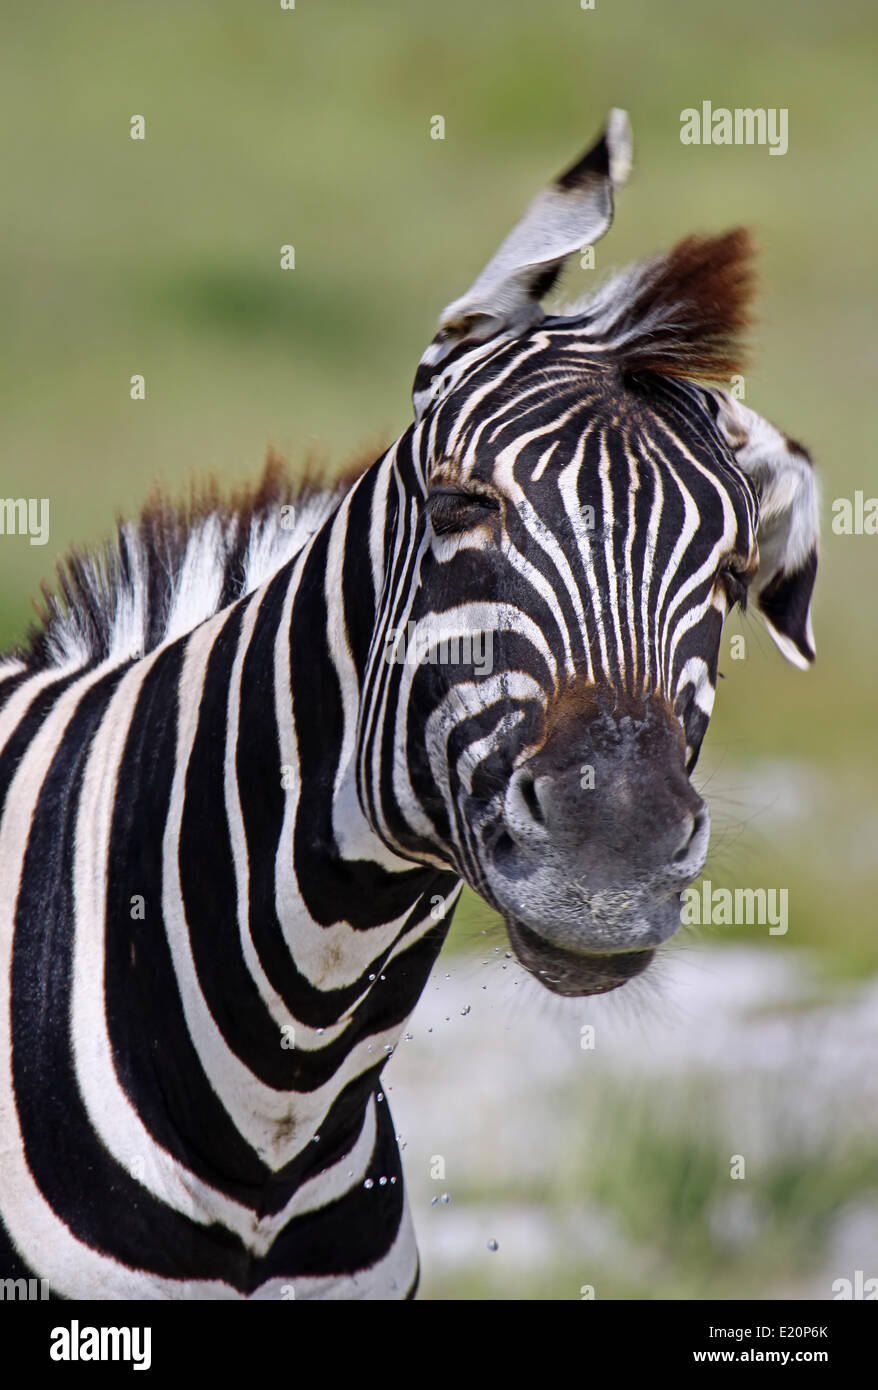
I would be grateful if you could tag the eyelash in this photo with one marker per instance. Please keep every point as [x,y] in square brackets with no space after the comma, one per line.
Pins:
[452,511]
[448,514]
[736,587]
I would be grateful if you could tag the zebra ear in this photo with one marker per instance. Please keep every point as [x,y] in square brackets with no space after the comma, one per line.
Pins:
[573,212]
[788,527]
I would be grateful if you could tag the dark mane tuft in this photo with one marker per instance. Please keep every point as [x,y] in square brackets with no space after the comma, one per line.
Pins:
[680,315]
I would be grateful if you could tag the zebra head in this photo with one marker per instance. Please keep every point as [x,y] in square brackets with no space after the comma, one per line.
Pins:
[577,517]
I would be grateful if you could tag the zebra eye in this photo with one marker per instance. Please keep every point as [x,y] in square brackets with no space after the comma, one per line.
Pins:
[452,511]
[736,583]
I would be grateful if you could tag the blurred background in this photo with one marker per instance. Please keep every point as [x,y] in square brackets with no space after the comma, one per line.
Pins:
[607,1166]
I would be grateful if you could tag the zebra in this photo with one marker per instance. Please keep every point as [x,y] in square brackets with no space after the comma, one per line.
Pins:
[240,794]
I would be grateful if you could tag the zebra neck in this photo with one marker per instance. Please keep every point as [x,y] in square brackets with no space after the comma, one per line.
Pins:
[333,873]
[286,962]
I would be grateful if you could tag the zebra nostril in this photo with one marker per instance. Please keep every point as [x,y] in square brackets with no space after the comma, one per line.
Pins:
[528,790]
[507,859]
[698,823]
[524,812]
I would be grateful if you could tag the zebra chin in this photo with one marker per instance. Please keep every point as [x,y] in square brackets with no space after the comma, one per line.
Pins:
[574,973]
[576,949]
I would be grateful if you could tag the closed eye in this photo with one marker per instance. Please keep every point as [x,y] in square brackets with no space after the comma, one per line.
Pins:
[451,510]
[736,583]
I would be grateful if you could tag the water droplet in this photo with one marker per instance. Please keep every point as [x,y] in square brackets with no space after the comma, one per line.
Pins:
[320,1032]
[433,1201]
[409,1037]
[388,1049]
[382,1182]
[464,1011]
[380,1097]
[392,1181]
[445,1199]
[508,955]
[382,977]
[371,977]
[492,1245]
[368,1183]
[316,1139]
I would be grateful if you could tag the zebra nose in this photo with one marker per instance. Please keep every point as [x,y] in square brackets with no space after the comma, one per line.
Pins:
[650,825]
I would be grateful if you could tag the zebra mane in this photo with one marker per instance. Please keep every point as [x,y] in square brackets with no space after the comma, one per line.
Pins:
[679,315]
[178,565]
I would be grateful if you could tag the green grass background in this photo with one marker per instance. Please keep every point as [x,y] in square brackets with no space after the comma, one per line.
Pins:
[312,127]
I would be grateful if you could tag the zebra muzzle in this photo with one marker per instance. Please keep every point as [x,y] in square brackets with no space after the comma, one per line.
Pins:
[600,832]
